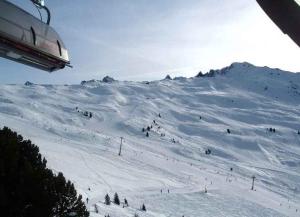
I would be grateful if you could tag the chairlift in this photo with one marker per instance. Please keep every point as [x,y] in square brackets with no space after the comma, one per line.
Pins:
[28,40]
[285,14]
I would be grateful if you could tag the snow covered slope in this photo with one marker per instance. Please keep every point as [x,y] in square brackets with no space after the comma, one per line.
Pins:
[78,129]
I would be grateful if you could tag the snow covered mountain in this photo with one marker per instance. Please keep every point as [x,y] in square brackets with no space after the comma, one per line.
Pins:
[227,112]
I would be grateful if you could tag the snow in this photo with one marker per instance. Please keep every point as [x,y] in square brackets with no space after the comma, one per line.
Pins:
[243,98]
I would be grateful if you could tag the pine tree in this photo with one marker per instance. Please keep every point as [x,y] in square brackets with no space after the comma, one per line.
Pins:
[107,199]
[208,151]
[126,202]
[67,198]
[143,208]
[116,199]
[96,208]
[27,187]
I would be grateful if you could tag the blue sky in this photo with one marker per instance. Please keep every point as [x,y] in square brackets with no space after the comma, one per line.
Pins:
[147,39]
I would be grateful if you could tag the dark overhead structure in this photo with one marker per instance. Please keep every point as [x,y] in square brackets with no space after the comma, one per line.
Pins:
[28,40]
[285,14]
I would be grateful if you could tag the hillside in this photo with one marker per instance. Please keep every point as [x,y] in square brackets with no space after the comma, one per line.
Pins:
[78,129]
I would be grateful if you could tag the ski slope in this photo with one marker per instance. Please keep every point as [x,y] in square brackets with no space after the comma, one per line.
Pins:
[195,114]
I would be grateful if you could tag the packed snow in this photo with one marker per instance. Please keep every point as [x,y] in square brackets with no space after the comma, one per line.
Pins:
[228,112]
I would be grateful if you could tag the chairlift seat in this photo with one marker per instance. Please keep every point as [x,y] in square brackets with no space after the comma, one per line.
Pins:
[28,40]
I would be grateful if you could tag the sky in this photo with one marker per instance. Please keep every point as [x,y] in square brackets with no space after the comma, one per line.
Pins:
[148,39]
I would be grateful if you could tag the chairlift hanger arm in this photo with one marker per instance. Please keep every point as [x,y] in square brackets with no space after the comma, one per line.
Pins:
[41,5]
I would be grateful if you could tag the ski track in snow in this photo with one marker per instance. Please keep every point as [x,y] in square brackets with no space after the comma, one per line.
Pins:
[243,98]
